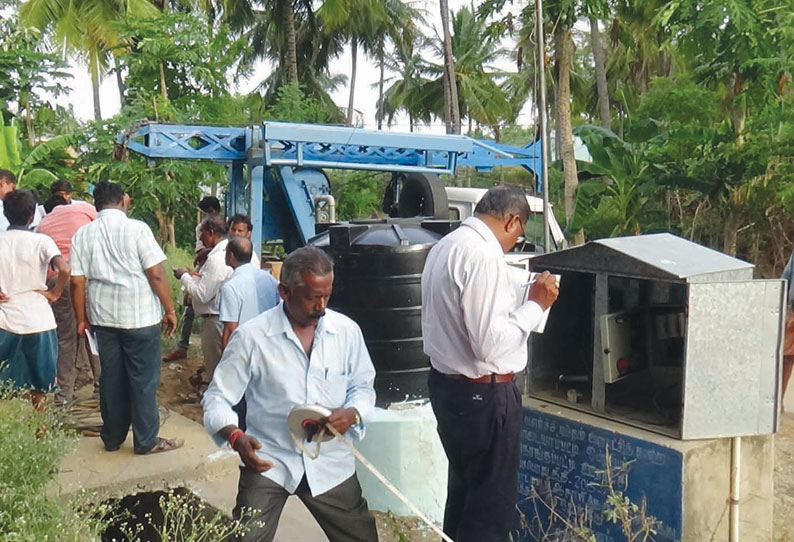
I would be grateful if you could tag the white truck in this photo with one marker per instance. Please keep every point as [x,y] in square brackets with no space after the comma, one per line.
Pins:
[462,202]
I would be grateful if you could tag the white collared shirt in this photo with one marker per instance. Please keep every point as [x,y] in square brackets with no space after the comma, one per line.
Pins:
[474,322]
[112,253]
[205,290]
[265,362]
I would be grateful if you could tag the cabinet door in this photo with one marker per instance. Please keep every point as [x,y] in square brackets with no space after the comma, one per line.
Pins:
[732,365]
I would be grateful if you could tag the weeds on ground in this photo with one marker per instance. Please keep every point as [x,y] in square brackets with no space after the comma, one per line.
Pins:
[555,520]
[177,516]
[32,445]
[394,525]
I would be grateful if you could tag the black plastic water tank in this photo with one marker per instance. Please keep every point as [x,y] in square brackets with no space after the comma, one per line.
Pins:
[377,282]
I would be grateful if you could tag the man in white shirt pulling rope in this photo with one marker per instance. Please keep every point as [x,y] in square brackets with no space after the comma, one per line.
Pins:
[294,354]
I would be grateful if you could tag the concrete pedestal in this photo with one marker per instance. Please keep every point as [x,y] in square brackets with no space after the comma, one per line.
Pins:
[402,443]
[685,484]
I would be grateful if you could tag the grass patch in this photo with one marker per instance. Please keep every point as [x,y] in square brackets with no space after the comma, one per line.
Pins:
[32,445]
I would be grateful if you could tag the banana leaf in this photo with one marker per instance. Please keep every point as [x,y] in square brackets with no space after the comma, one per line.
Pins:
[9,148]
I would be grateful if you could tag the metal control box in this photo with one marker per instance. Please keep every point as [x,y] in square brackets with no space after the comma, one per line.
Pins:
[661,333]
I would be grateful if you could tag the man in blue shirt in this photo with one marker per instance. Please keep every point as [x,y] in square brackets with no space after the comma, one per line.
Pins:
[248,292]
[294,354]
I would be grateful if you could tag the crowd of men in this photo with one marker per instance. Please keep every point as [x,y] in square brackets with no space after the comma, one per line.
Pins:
[269,346]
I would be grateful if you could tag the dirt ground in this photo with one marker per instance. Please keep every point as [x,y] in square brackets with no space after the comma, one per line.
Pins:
[784,480]
[176,393]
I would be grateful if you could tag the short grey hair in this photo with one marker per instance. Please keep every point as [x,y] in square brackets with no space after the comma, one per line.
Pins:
[308,259]
[502,201]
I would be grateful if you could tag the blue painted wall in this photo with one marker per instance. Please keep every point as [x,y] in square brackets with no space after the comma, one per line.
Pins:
[568,457]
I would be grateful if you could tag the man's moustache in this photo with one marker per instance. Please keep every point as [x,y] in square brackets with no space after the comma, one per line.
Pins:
[316,315]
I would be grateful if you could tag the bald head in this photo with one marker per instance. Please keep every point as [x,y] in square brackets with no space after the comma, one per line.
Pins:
[238,251]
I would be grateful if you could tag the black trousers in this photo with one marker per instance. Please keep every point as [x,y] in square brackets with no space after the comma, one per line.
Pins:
[341,511]
[130,360]
[479,426]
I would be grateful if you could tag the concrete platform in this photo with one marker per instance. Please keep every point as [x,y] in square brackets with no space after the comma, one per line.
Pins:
[199,465]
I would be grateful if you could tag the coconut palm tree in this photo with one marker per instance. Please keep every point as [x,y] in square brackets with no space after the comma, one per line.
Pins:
[84,28]
[481,98]
[451,108]
[408,90]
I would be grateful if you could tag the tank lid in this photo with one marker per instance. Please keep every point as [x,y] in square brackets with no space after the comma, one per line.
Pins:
[388,233]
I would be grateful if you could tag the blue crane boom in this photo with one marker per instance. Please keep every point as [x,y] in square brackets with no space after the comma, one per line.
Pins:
[284,163]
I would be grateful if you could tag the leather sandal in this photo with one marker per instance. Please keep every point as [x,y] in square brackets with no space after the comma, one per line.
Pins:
[166,445]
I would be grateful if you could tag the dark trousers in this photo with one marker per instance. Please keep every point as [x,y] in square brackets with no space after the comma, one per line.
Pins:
[479,426]
[69,347]
[130,360]
[67,343]
[341,511]
[187,326]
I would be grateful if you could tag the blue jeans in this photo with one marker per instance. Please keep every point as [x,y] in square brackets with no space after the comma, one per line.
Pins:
[130,361]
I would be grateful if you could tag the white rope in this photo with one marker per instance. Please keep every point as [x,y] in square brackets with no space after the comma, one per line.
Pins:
[364,461]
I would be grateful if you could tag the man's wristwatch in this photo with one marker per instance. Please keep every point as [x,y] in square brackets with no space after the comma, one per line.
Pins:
[358,417]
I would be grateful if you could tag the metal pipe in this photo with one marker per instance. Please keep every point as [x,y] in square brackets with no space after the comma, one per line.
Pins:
[330,202]
[736,471]
[544,140]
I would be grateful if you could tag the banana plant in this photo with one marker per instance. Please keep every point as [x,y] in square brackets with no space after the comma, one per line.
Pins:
[29,170]
[613,188]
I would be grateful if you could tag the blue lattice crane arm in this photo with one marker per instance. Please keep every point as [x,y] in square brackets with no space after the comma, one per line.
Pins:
[320,146]
[285,162]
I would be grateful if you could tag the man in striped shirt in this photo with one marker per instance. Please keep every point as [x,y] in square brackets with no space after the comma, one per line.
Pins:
[120,264]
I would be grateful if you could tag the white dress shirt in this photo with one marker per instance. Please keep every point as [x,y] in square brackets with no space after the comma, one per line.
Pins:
[112,253]
[473,321]
[205,290]
[265,362]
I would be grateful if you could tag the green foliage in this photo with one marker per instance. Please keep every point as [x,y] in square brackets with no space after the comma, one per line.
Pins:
[292,104]
[32,445]
[27,72]
[613,189]
[358,194]
[9,148]
[195,62]
[677,101]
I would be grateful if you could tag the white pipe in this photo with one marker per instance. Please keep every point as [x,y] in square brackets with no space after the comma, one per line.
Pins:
[736,471]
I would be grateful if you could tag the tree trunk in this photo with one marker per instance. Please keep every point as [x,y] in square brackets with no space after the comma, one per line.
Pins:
[738,112]
[29,124]
[292,51]
[730,233]
[163,88]
[380,89]
[563,51]
[351,98]
[94,69]
[599,59]
[165,228]
[449,72]
[120,81]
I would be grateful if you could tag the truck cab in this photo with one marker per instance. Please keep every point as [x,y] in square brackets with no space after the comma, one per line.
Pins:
[462,201]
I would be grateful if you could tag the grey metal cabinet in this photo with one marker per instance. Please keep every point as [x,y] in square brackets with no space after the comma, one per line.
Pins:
[661,333]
